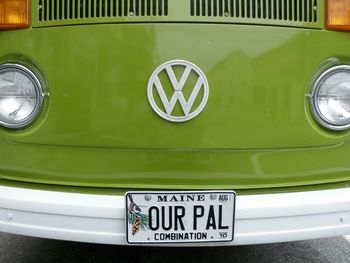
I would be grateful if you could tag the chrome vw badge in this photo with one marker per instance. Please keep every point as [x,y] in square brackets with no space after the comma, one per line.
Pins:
[186,86]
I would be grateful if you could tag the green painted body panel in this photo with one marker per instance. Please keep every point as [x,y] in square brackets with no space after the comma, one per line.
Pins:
[173,169]
[97,128]
[97,79]
[120,191]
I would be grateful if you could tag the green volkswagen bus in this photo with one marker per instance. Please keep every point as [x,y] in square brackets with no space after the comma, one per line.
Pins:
[175,122]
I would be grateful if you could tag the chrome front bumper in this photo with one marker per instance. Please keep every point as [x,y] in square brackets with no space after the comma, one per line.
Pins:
[94,218]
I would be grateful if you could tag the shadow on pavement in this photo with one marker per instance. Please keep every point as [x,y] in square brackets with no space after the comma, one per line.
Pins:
[15,249]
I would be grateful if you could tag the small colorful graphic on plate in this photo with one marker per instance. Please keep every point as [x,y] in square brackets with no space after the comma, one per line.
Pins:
[137,219]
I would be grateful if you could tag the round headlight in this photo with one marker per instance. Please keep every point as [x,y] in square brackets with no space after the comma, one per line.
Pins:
[331,98]
[21,96]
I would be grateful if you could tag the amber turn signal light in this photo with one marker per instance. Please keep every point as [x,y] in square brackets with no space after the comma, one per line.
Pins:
[13,14]
[338,15]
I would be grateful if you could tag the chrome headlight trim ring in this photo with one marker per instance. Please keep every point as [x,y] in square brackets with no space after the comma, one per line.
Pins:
[38,92]
[313,98]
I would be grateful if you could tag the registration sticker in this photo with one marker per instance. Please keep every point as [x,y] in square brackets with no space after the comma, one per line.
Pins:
[180,217]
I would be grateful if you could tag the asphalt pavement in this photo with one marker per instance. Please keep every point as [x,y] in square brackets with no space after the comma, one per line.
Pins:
[19,249]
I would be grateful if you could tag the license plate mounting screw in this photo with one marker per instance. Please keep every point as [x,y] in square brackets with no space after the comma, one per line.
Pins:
[213,196]
[148,197]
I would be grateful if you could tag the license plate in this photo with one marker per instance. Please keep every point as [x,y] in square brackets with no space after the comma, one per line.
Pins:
[180,217]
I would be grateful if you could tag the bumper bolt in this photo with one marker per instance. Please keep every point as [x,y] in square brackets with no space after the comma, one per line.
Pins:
[9,216]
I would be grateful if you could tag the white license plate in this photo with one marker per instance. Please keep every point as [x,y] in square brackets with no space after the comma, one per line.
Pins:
[180,217]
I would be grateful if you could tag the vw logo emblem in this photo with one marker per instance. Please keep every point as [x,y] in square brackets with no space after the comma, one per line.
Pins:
[178,90]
